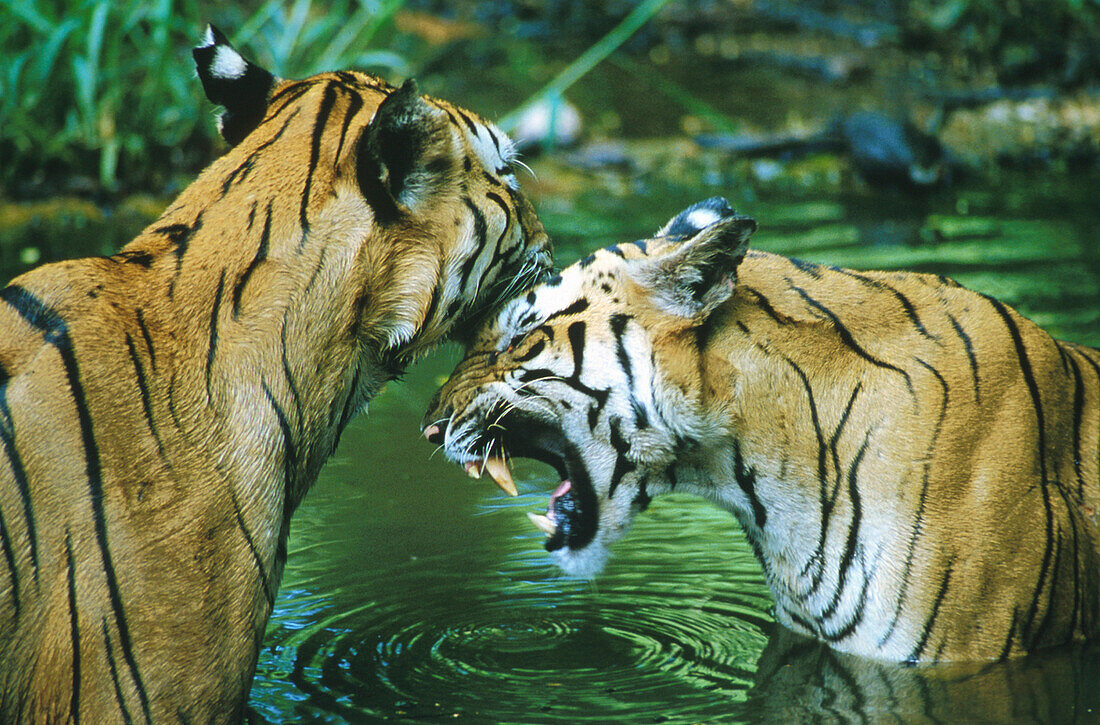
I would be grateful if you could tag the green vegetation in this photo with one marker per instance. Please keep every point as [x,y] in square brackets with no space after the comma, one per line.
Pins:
[106,90]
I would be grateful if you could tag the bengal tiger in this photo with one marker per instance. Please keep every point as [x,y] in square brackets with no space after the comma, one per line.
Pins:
[163,410]
[914,464]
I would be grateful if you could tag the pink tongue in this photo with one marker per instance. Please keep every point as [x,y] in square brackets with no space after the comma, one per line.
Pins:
[563,488]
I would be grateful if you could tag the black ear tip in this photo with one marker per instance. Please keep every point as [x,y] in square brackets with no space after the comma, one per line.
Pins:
[717,204]
[218,36]
[698,217]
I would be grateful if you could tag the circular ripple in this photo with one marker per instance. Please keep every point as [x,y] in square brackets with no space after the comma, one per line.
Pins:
[492,633]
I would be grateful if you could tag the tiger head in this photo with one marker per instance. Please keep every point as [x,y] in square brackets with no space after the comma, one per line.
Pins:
[588,372]
[407,202]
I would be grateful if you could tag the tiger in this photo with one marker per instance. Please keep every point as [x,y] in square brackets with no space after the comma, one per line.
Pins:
[164,409]
[914,464]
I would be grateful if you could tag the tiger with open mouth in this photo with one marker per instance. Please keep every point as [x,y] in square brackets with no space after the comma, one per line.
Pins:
[916,466]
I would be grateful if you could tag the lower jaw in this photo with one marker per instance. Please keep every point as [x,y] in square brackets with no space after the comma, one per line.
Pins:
[584,563]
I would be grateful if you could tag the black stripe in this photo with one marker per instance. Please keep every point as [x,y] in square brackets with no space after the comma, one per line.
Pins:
[1095,365]
[349,114]
[576,308]
[968,345]
[822,474]
[532,352]
[147,337]
[346,413]
[906,304]
[143,390]
[56,332]
[290,376]
[290,456]
[499,256]
[242,171]
[852,541]
[926,632]
[113,666]
[496,141]
[834,442]
[292,92]
[846,336]
[18,472]
[180,237]
[854,621]
[319,124]
[212,346]
[1044,483]
[74,630]
[623,466]
[481,232]
[260,257]
[1078,422]
[265,580]
[918,519]
[473,126]
[9,559]
[765,305]
[746,479]
[618,328]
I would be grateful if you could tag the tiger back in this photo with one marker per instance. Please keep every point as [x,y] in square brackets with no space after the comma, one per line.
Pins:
[163,410]
[916,466]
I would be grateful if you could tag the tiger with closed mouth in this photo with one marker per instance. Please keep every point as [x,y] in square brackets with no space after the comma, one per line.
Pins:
[914,464]
[163,410]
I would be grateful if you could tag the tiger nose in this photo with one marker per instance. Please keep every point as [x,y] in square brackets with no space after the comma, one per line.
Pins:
[434,434]
[435,420]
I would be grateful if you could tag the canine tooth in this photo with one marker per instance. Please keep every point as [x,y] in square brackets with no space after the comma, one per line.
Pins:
[542,523]
[498,471]
[473,469]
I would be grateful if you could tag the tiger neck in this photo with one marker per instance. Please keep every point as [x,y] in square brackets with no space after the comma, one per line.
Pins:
[269,343]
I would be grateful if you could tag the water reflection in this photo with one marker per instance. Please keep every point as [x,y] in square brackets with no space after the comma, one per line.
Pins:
[802,681]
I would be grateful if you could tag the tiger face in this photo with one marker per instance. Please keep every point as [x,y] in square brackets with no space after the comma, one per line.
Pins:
[916,466]
[575,374]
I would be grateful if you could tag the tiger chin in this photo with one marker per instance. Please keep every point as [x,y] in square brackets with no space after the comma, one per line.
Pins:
[163,410]
[914,464]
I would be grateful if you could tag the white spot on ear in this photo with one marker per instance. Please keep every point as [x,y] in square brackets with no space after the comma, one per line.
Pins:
[228,64]
[208,37]
[702,218]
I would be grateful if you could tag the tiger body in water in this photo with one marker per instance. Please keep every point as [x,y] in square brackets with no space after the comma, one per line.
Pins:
[914,464]
[164,410]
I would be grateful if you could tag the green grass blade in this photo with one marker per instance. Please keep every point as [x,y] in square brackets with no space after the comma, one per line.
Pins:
[589,59]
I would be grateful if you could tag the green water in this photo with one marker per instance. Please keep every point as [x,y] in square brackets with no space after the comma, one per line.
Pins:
[415,594]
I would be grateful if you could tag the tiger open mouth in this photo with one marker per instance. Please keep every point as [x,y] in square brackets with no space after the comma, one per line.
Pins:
[572,513]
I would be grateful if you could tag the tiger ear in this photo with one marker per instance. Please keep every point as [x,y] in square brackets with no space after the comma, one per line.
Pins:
[694,277]
[230,80]
[399,153]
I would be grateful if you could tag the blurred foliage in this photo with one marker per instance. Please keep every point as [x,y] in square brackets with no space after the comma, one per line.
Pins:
[1055,41]
[95,91]
[100,95]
